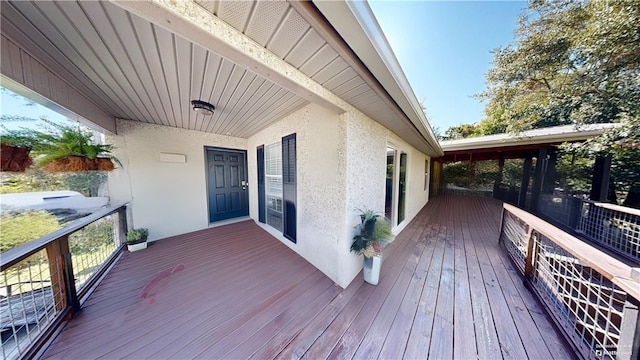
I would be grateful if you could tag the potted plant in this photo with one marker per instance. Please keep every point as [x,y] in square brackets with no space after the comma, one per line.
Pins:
[72,149]
[372,235]
[15,149]
[137,239]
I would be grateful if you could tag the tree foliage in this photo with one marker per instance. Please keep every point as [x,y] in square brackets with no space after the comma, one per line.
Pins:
[18,229]
[461,131]
[572,62]
[88,183]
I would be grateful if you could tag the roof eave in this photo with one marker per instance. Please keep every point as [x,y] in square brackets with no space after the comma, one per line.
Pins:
[358,27]
[557,134]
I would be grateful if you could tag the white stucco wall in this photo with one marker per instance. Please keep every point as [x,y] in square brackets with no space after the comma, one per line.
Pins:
[341,167]
[168,198]
[320,162]
[366,150]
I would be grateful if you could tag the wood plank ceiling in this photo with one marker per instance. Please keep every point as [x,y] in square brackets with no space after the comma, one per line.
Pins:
[137,70]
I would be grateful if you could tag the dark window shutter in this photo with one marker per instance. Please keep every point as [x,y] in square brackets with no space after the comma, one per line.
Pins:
[289,186]
[261,189]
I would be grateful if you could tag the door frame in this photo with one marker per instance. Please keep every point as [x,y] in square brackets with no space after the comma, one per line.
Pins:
[395,187]
[206,176]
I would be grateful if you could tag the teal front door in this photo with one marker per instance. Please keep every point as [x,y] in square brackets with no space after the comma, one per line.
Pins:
[227,183]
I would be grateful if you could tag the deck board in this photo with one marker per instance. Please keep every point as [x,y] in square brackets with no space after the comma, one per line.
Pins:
[447,290]
[464,341]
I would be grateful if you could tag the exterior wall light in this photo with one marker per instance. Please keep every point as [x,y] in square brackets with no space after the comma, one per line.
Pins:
[202,107]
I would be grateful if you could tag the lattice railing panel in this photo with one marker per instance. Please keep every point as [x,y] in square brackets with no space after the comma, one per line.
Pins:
[612,227]
[585,304]
[514,237]
[28,303]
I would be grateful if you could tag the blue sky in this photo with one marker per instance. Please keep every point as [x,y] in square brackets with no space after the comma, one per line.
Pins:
[19,106]
[444,48]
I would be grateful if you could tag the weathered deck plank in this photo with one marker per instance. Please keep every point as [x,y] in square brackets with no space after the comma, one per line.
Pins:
[447,290]
[420,335]
[485,331]
[464,341]
[396,341]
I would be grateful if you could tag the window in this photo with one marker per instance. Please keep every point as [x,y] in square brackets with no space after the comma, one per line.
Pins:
[273,184]
[402,187]
[277,191]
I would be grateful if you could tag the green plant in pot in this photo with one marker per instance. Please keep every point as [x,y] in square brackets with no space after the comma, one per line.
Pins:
[72,149]
[372,235]
[137,239]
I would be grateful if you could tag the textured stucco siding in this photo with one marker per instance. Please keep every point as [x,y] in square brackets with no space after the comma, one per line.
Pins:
[320,162]
[341,167]
[168,198]
[367,143]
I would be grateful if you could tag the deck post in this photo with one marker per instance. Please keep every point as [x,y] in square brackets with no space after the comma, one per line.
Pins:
[501,232]
[629,344]
[538,179]
[62,278]
[549,184]
[121,231]
[529,265]
[524,185]
[496,185]
[600,183]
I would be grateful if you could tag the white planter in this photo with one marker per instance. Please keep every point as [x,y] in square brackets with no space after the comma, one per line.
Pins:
[136,247]
[371,270]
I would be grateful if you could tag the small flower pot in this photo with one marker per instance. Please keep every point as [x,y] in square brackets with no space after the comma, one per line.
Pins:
[371,270]
[136,247]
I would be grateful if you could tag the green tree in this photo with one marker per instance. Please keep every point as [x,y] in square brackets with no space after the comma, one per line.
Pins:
[33,179]
[572,62]
[86,182]
[461,131]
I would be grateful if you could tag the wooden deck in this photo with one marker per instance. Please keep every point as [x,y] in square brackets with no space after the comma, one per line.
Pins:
[446,291]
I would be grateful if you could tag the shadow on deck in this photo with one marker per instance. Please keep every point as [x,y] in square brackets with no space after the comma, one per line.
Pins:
[446,290]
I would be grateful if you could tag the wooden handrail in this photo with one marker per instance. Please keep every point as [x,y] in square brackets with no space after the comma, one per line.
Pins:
[616,271]
[622,209]
[23,251]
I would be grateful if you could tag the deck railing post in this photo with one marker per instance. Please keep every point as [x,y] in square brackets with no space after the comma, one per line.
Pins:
[503,213]
[629,344]
[529,265]
[121,226]
[62,278]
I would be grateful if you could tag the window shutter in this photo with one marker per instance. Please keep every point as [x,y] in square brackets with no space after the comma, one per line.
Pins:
[289,186]
[261,191]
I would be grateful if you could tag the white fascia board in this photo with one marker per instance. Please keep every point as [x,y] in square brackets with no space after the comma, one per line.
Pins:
[556,134]
[359,28]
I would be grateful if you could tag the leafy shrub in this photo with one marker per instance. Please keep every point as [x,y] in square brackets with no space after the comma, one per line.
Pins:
[93,237]
[17,229]
[136,236]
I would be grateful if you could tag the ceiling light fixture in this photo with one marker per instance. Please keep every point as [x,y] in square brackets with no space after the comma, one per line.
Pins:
[202,107]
